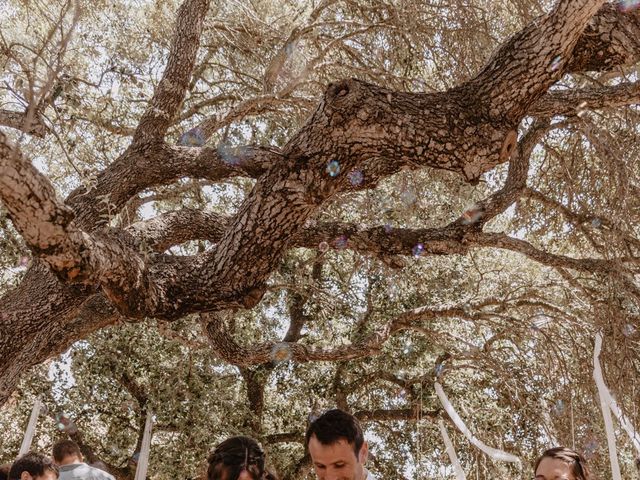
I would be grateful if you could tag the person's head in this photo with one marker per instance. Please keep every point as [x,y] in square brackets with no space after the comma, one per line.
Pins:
[33,466]
[66,452]
[4,471]
[238,458]
[561,463]
[336,445]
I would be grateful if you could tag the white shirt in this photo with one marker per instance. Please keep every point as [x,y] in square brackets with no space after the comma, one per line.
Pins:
[368,475]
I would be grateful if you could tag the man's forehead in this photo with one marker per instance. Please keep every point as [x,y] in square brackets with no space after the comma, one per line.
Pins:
[338,450]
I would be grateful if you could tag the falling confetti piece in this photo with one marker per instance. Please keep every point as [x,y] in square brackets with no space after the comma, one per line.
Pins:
[193,138]
[281,352]
[356,177]
[333,168]
[558,408]
[628,5]
[341,242]
[408,197]
[555,63]
[472,214]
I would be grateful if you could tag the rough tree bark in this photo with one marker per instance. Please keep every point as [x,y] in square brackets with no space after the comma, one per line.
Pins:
[86,276]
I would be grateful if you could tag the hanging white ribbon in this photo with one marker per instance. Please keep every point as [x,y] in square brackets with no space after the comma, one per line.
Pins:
[494,453]
[143,458]
[451,452]
[31,427]
[628,427]
[606,405]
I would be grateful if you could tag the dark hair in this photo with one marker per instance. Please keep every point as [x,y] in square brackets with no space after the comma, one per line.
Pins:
[233,456]
[35,464]
[334,425]
[4,471]
[65,448]
[571,457]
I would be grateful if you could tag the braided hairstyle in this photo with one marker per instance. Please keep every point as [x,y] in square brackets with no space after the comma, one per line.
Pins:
[233,456]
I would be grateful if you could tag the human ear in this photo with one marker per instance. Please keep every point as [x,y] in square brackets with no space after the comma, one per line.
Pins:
[364,453]
[26,476]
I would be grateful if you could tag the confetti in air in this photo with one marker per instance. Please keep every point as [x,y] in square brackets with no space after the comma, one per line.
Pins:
[596,223]
[333,168]
[231,155]
[387,228]
[281,352]
[341,242]
[628,330]
[558,408]
[555,63]
[408,197]
[472,214]
[628,5]
[590,448]
[290,48]
[65,424]
[356,177]
[417,250]
[192,138]
[323,247]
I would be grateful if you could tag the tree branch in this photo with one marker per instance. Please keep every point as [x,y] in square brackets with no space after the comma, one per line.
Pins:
[533,59]
[573,102]
[34,209]
[610,40]
[21,121]
[173,86]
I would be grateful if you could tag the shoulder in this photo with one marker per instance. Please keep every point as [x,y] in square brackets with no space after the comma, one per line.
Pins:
[98,474]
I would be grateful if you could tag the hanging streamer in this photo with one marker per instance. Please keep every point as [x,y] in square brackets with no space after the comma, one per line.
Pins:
[143,459]
[492,452]
[628,427]
[605,407]
[451,452]
[31,427]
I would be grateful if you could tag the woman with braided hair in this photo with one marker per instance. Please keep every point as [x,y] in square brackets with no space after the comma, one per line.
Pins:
[238,458]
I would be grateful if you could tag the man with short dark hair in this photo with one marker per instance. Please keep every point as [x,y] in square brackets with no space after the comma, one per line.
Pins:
[67,454]
[337,447]
[33,466]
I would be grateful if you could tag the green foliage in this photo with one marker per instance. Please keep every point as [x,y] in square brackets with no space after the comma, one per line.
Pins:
[519,340]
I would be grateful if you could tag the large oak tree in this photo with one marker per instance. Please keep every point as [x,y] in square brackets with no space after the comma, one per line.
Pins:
[559,88]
